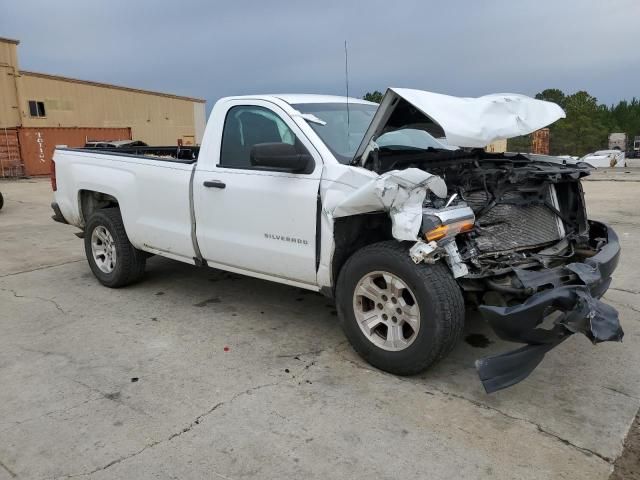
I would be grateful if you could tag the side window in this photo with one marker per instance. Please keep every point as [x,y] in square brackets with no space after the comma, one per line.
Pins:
[36,109]
[246,126]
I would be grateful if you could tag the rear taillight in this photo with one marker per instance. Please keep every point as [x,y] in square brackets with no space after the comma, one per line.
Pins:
[54,184]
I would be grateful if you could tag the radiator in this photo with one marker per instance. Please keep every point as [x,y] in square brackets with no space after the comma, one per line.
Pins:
[515,227]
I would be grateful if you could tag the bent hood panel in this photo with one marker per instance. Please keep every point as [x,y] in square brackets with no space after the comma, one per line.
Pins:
[469,122]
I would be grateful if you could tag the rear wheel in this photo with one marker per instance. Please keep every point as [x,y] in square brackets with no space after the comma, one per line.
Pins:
[1,201]
[399,316]
[112,258]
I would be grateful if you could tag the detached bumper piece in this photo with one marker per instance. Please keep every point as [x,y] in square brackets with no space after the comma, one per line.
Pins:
[576,307]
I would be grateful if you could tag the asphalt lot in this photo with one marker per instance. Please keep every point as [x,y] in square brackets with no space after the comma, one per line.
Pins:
[196,373]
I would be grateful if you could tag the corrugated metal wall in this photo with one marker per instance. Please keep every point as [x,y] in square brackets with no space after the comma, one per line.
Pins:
[9,113]
[10,163]
[154,119]
[540,141]
[9,105]
[499,146]
[37,144]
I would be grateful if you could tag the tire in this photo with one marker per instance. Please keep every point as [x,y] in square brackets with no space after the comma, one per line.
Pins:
[128,262]
[432,288]
[1,201]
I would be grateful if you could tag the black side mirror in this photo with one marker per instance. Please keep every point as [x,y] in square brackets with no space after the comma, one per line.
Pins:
[281,157]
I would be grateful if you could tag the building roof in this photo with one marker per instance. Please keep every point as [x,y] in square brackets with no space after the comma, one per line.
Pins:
[9,40]
[108,85]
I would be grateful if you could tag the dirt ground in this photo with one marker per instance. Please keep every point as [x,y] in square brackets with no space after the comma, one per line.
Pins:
[627,466]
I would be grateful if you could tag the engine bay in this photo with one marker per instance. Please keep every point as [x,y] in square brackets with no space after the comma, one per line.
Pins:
[529,215]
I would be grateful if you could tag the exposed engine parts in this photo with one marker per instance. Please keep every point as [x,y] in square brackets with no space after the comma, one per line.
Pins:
[503,212]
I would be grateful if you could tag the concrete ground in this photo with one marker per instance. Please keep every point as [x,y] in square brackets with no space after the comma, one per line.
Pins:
[196,373]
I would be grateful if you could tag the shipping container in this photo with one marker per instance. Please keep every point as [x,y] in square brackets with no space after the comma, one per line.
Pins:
[37,144]
[540,141]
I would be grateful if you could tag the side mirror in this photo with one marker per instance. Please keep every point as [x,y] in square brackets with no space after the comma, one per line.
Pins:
[280,156]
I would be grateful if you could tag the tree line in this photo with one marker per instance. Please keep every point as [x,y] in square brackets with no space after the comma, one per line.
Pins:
[586,127]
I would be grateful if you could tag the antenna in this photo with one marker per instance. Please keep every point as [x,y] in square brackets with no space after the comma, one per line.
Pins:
[346,79]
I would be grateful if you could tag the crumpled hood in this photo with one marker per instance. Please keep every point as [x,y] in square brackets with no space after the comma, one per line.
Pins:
[468,122]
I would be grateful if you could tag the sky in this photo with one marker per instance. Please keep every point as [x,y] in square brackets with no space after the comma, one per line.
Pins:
[210,49]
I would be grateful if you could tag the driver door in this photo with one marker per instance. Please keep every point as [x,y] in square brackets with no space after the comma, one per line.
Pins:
[261,221]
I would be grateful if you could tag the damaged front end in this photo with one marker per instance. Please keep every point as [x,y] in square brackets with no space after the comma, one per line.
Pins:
[516,237]
[514,233]
[565,300]
[513,230]
[511,227]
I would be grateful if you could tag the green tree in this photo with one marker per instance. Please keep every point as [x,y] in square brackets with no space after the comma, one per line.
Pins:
[519,144]
[583,130]
[625,117]
[587,124]
[554,95]
[373,96]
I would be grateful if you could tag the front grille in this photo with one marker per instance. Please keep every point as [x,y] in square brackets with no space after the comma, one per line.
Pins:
[513,227]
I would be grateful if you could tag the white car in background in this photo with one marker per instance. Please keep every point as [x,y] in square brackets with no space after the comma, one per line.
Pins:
[605,159]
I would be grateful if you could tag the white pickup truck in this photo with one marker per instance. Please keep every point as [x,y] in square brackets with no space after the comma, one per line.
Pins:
[394,210]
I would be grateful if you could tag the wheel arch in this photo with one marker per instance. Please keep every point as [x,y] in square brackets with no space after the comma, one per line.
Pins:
[91,200]
[352,233]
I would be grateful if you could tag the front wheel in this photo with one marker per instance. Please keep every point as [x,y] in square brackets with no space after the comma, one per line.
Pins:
[399,316]
[112,258]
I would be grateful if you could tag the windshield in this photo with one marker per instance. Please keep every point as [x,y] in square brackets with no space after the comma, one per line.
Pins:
[343,132]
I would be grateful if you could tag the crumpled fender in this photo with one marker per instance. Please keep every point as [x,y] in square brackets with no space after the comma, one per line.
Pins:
[399,192]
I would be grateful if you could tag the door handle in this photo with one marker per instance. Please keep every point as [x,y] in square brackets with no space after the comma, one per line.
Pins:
[214,184]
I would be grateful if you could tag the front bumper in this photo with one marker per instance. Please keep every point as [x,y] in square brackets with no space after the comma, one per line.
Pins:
[575,291]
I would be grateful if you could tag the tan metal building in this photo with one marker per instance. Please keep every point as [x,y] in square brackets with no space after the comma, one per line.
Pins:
[32,104]
[499,146]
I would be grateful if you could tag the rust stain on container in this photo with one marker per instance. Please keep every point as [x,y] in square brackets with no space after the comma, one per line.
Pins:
[10,162]
[37,144]
[540,141]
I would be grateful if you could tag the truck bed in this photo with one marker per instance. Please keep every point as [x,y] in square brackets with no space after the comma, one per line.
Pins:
[186,155]
[152,188]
